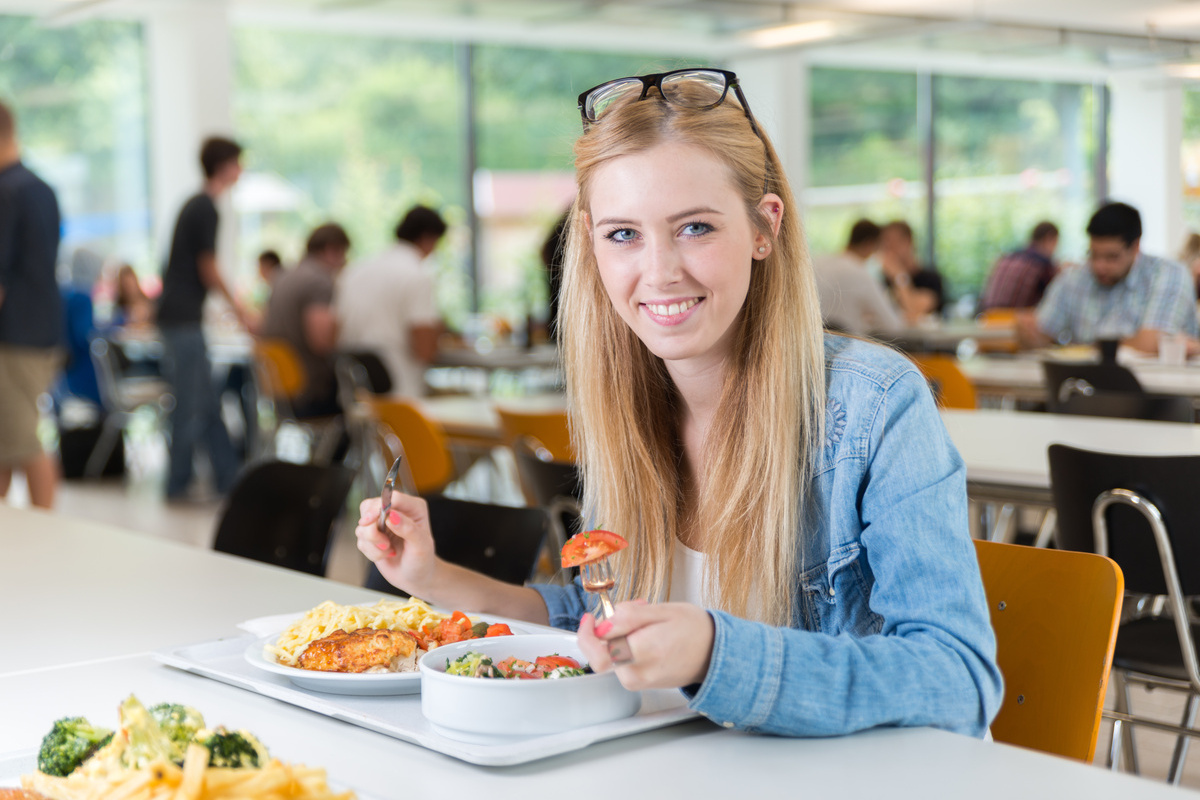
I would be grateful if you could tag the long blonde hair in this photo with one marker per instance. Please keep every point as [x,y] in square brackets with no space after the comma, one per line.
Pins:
[624,408]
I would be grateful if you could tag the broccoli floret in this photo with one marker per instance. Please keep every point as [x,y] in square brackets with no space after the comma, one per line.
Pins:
[181,723]
[146,741]
[232,748]
[69,743]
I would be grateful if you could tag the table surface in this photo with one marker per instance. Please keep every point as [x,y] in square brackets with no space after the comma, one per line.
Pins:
[117,595]
[1009,447]
[474,416]
[1023,374]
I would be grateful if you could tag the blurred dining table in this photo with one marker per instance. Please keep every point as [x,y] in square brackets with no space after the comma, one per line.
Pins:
[946,336]
[473,419]
[86,605]
[1020,377]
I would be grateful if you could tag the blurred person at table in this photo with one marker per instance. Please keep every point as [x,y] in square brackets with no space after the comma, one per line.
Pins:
[1189,256]
[300,311]
[851,299]
[917,289]
[1019,279]
[1121,293]
[191,273]
[385,304]
[78,378]
[795,510]
[131,306]
[270,267]
[31,316]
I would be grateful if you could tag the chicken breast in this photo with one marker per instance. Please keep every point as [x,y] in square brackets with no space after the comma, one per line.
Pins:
[363,650]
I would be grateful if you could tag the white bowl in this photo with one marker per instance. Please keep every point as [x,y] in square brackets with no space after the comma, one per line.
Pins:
[481,709]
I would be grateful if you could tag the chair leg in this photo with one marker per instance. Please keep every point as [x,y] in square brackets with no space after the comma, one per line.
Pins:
[1175,773]
[102,451]
[1045,532]
[1127,747]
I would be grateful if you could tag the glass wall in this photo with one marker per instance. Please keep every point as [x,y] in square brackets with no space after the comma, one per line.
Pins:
[1191,159]
[79,94]
[1009,154]
[865,157]
[1006,155]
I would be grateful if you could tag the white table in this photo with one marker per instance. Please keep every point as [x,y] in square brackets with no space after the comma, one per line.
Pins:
[473,418]
[91,600]
[1021,376]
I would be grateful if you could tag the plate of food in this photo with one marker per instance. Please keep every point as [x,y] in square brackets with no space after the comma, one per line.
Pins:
[365,650]
[166,750]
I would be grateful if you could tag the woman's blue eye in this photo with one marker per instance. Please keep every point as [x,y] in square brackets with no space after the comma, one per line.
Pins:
[696,229]
[620,235]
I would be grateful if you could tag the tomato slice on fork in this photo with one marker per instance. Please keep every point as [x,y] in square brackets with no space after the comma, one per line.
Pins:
[589,546]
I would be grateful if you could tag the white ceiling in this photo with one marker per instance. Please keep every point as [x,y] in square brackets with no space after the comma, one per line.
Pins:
[1112,33]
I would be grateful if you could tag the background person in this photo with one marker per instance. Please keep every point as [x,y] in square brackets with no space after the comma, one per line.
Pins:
[1189,256]
[31,316]
[191,272]
[300,311]
[131,306]
[918,289]
[791,500]
[386,304]
[851,299]
[1019,279]
[1121,293]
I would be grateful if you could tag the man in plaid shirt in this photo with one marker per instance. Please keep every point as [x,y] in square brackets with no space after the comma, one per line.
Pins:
[1122,293]
[1020,278]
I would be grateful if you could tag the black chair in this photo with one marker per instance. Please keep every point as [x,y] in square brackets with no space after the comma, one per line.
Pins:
[501,541]
[1065,379]
[374,375]
[283,514]
[121,395]
[1130,405]
[1141,512]
[553,485]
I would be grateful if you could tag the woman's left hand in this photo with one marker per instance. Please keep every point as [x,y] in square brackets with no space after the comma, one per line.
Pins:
[671,644]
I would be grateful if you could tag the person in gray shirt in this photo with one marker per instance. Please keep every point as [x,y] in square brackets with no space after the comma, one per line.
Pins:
[852,301]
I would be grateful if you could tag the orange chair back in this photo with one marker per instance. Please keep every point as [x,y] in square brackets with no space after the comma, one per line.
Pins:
[999,318]
[950,386]
[280,370]
[548,427]
[1055,614]
[424,441]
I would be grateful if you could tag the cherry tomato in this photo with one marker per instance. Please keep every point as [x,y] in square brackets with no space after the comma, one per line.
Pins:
[551,663]
[591,546]
[499,629]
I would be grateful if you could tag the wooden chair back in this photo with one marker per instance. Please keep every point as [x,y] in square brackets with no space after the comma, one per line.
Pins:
[425,447]
[281,373]
[1055,614]
[549,428]
[951,387]
[1005,318]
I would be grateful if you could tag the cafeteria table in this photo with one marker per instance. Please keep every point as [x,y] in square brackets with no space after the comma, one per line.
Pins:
[1020,377]
[94,600]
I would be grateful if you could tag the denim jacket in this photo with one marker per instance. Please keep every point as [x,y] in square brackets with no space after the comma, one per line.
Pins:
[892,623]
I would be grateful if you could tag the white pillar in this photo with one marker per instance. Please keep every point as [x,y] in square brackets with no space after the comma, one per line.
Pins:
[776,87]
[190,57]
[1145,168]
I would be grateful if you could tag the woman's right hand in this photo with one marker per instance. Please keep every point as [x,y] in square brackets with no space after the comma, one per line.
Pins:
[405,554]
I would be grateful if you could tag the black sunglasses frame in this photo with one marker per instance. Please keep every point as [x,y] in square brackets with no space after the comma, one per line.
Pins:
[655,81]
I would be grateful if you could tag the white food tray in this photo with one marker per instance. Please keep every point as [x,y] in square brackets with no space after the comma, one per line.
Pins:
[400,716]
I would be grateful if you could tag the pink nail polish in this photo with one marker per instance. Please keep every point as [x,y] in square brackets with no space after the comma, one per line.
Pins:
[394,517]
[384,546]
[603,628]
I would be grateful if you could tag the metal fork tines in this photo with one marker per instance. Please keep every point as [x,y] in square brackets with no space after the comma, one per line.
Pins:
[385,495]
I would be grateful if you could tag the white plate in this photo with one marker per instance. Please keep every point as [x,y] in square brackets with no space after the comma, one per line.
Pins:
[372,684]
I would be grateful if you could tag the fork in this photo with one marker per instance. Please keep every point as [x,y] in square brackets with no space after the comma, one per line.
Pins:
[598,579]
[385,495]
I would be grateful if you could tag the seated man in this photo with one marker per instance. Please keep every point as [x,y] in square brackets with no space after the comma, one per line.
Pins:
[918,289]
[1122,293]
[851,299]
[1019,279]
[300,311]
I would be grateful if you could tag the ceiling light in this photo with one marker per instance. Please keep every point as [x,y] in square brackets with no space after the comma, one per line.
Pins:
[798,33]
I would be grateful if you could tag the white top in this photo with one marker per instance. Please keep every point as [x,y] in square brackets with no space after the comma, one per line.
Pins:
[378,302]
[687,576]
[850,298]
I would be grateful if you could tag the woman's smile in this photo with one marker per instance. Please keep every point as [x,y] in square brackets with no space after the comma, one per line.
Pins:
[671,312]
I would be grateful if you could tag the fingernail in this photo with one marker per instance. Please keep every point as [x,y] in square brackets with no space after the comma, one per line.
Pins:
[603,628]
[383,546]
[394,517]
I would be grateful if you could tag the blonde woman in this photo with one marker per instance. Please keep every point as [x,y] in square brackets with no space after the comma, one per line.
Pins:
[799,561]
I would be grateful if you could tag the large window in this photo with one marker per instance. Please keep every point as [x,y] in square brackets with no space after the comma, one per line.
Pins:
[79,96]
[1006,155]
[865,155]
[1009,154]
[353,129]
[1191,159]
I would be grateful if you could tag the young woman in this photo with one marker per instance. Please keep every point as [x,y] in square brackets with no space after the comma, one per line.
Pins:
[795,510]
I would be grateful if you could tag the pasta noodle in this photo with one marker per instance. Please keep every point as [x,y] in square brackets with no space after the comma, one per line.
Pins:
[195,781]
[406,615]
